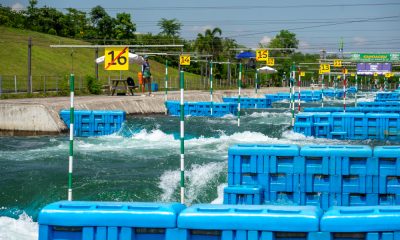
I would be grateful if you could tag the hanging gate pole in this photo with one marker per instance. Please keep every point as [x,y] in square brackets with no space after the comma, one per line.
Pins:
[71,137]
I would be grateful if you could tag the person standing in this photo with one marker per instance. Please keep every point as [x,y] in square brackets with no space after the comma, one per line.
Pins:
[147,74]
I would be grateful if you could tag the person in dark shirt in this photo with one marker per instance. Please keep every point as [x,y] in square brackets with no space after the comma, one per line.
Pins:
[147,74]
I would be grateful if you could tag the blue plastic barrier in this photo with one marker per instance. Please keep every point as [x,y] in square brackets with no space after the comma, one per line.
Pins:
[202,109]
[387,96]
[239,222]
[349,125]
[367,223]
[252,195]
[356,109]
[249,103]
[94,123]
[154,87]
[108,220]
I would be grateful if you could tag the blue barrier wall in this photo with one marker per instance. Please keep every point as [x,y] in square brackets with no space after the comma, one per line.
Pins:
[202,109]
[153,221]
[387,96]
[94,123]
[318,175]
[108,220]
[249,103]
[354,126]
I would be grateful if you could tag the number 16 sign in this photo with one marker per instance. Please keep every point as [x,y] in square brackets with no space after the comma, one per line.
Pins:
[116,58]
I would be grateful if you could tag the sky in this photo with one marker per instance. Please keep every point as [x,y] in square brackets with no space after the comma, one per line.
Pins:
[364,25]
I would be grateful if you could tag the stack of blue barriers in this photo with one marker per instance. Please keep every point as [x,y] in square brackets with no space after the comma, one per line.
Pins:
[70,220]
[387,96]
[323,176]
[89,123]
[201,109]
[349,125]
[249,103]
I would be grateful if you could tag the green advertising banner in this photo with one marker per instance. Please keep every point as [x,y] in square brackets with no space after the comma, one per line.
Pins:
[375,57]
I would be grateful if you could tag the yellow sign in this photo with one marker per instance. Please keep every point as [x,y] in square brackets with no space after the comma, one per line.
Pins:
[388,75]
[337,63]
[271,62]
[345,71]
[302,74]
[375,74]
[324,68]
[353,74]
[261,55]
[116,58]
[184,60]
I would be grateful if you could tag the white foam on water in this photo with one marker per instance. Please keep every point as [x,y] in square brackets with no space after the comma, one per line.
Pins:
[220,198]
[22,228]
[198,180]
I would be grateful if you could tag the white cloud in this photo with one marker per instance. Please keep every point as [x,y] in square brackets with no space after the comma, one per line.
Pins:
[17,7]
[202,29]
[265,40]
[303,44]
[359,41]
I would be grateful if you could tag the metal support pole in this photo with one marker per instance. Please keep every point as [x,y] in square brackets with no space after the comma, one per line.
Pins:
[292,79]
[355,94]
[322,91]
[1,84]
[96,66]
[71,137]
[240,86]
[182,138]
[29,89]
[256,80]
[211,86]
[344,92]
[15,84]
[299,86]
[44,84]
[166,86]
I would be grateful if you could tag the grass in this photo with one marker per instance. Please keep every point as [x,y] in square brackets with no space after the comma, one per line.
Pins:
[52,66]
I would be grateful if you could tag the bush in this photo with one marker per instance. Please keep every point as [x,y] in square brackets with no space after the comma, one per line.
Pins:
[93,85]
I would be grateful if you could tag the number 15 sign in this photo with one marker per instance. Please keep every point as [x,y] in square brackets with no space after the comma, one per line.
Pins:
[116,58]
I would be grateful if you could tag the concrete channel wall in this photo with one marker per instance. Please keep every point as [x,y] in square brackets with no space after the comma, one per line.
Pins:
[41,115]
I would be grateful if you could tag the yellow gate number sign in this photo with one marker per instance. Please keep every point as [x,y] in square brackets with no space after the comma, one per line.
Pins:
[302,74]
[375,74]
[337,63]
[324,68]
[116,58]
[271,62]
[262,55]
[388,75]
[184,60]
[345,71]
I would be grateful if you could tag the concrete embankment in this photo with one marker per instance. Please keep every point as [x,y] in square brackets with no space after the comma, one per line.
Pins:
[41,115]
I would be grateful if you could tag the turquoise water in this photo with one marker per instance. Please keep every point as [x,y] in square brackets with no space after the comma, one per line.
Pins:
[140,163]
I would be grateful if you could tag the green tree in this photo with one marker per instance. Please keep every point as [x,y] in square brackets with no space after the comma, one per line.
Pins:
[124,28]
[170,27]
[285,39]
[210,42]
[102,23]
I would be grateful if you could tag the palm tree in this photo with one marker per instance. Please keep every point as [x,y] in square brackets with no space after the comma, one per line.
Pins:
[210,42]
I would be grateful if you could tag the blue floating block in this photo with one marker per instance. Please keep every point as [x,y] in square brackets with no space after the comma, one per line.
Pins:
[358,199]
[282,198]
[248,179]
[318,199]
[250,218]
[358,184]
[251,195]
[314,183]
[361,219]
[107,220]
[388,158]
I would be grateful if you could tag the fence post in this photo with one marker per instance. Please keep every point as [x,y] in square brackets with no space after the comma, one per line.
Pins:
[44,84]
[15,84]
[1,81]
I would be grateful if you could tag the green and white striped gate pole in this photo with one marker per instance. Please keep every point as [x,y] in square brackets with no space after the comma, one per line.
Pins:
[71,136]
[211,86]
[182,128]
[240,86]
[256,81]
[299,95]
[166,86]
[292,79]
